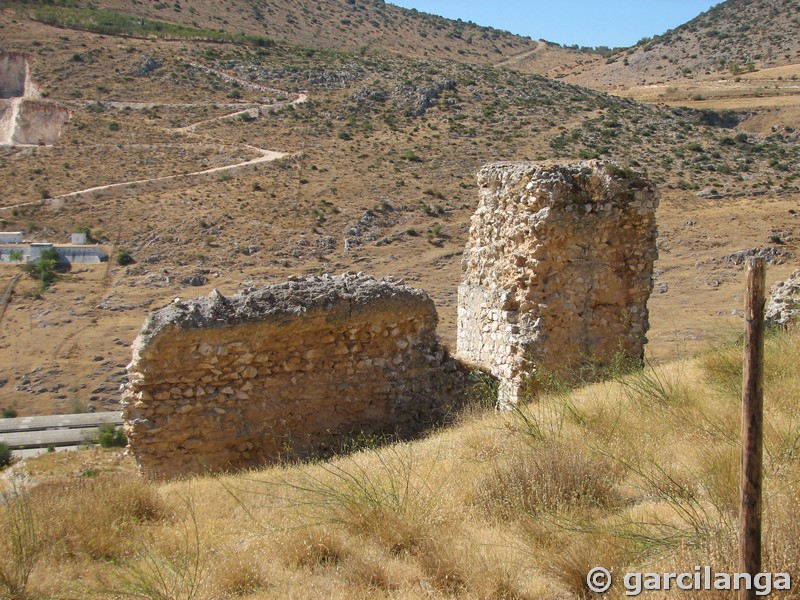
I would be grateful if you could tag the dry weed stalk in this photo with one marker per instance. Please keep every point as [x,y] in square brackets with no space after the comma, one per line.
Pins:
[180,574]
[20,540]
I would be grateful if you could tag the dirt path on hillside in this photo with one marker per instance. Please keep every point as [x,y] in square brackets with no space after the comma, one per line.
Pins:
[518,58]
[253,110]
[259,109]
[266,156]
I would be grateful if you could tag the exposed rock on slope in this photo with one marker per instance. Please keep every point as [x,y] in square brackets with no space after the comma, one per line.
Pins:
[784,302]
[38,123]
[23,121]
[14,76]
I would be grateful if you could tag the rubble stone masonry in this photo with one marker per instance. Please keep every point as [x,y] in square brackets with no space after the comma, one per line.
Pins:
[557,270]
[287,370]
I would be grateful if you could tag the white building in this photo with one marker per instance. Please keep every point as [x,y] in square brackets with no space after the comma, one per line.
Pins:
[10,237]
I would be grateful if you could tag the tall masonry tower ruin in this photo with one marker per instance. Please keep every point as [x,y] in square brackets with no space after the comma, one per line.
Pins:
[557,270]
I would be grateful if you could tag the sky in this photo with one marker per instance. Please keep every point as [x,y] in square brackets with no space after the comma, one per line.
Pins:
[584,22]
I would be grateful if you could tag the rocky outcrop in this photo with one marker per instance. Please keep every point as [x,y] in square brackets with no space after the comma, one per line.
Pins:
[557,270]
[288,370]
[783,306]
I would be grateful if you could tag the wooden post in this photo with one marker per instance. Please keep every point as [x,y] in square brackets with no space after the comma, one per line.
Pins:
[752,424]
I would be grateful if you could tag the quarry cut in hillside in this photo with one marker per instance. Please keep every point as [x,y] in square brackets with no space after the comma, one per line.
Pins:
[287,370]
[25,120]
[557,270]
[15,78]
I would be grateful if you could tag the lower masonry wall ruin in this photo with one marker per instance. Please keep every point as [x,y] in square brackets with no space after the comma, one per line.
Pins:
[284,371]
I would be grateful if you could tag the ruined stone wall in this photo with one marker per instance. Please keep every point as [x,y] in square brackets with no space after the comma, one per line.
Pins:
[783,306]
[557,269]
[287,370]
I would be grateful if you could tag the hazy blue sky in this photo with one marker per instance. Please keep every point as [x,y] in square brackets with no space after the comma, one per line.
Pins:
[582,22]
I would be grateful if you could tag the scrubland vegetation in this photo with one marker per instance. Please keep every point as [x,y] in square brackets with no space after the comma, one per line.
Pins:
[114,23]
[637,473]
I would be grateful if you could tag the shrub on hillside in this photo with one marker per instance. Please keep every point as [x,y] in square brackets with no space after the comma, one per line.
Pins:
[124,257]
[43,269]
[109,436]
[6,456]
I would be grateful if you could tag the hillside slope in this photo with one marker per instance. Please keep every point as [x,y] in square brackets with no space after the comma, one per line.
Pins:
[356,25]
[640,474]
[733,37]
[377,175]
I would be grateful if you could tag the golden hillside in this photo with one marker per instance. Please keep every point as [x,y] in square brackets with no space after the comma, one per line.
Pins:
[638,474]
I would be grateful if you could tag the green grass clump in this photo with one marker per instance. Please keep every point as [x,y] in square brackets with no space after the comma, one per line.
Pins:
[109,436]
[6,456]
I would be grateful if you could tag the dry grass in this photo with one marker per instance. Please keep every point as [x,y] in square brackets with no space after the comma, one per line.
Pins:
[95,518]
[547,478]
[20,543]
[640,473]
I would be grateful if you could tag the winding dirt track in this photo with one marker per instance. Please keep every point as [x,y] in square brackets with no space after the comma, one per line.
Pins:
[518,58]
[254,110]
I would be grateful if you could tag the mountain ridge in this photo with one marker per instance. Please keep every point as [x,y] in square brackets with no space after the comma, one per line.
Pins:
[731,38]
[352,26]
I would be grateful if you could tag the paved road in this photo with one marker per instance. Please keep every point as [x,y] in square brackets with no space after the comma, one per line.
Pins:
[54,430]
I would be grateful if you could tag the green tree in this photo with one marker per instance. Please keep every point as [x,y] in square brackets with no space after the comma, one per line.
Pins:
[44,269]
[124,257]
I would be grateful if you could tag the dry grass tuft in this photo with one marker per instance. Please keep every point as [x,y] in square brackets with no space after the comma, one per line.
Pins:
[385,494]
[572,563]
[238,571]
[174,565]
[722,365]
[20,542]
[95,517]
[314,546]
[551,478]
[374,572]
